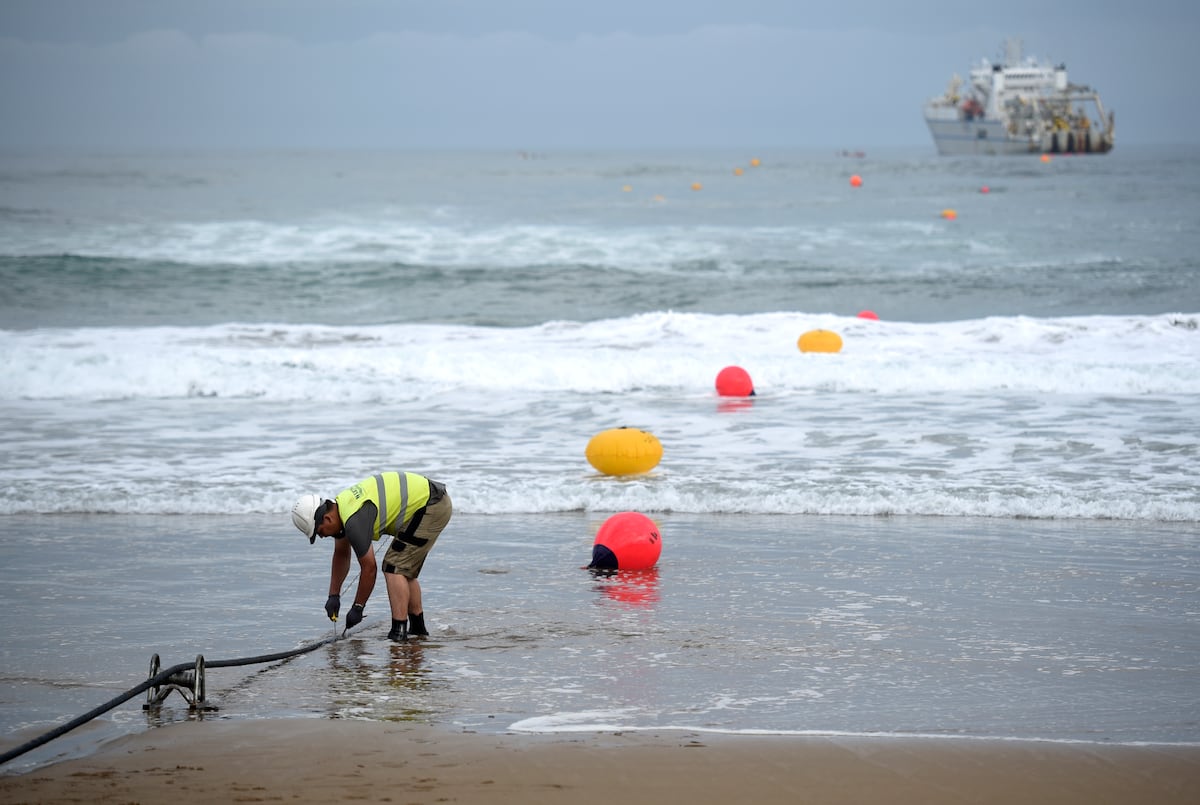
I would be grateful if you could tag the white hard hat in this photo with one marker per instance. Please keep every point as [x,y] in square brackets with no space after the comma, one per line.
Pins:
[303,513]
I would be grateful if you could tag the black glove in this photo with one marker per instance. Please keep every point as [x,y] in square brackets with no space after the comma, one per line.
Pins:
[332,604]
[354,616]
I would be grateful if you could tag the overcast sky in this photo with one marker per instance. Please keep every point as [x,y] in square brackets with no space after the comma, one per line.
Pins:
[543,74]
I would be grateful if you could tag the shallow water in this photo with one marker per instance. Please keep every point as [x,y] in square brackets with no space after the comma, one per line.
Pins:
[1079,630]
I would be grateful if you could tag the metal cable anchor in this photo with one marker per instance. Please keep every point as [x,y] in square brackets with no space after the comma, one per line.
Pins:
[189,682]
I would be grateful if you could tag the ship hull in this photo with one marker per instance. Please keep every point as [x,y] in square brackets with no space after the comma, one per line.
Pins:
[976,138]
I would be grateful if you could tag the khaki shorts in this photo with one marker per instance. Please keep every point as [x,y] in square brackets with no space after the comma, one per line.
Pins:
[406,555]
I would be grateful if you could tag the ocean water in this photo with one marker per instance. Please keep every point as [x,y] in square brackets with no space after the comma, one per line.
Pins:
[989,488]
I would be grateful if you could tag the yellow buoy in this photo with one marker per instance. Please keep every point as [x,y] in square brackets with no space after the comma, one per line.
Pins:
[624,451]
[820,341]
[627,188]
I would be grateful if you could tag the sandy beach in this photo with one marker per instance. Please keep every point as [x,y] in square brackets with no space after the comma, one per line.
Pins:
[321,760]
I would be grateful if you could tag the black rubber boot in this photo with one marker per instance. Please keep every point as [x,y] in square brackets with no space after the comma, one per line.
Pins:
[416,625]
[399,631]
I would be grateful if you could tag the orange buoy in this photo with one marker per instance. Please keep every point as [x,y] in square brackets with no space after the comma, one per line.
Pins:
[624,451]
[867,314]
[755,162]
[697,186]
[626,541]
[856,181]
[949,214]
[820,341]
[734,381]
[738,171]
[1045,157]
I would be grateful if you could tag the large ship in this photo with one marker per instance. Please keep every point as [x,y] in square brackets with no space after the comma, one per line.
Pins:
[1019,106]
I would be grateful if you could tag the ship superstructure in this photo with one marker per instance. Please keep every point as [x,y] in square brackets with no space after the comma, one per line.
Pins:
[1018,106]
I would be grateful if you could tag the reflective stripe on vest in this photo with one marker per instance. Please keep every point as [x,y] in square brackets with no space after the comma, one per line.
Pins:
[390,492]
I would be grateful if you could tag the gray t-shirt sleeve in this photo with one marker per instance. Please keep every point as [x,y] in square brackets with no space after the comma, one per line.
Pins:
[359,528]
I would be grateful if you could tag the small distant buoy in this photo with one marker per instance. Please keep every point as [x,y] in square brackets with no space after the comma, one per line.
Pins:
[627,189]
[867,314]
[820,341]
[738,171]
[658,198]
[856,181]
[697,186]
[949,215]
[624,451]
[985,189]
[734,381]
[626,541]
[755,162]
[1045,157]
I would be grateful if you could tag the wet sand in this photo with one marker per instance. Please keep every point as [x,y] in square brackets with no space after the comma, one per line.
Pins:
[321,760]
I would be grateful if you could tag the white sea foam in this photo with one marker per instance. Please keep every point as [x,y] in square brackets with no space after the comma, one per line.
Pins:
[1079,418]
[602,722]
[669,353]
[651,247]
[388,240]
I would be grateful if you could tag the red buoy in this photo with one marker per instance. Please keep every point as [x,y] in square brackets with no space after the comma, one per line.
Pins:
[867,314]
[626,541]
[734,381]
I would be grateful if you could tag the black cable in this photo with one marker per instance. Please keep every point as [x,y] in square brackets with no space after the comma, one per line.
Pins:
[159,679]
[154,681]
[262,658]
